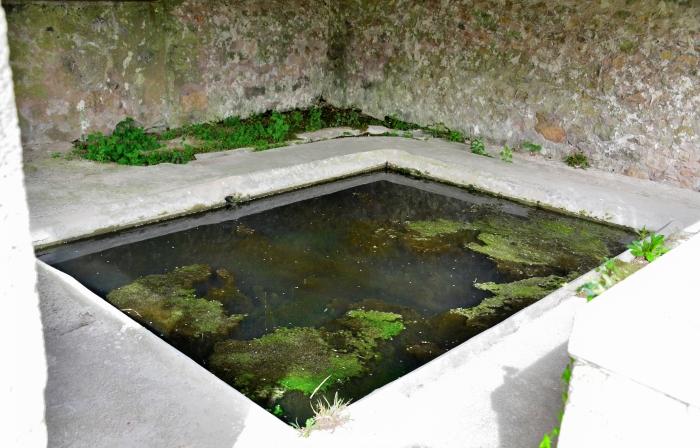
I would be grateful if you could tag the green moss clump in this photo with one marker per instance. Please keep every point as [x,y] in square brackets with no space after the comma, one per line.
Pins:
[168,304]
[510,295]
[299,358]
[373,324]
[439,227]
[534,245]
[304,358]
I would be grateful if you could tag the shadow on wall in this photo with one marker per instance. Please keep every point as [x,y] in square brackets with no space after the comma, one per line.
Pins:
[110,384]
[529,400]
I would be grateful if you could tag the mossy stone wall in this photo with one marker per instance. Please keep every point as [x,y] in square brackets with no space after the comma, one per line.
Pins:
[83,66]
[615,79]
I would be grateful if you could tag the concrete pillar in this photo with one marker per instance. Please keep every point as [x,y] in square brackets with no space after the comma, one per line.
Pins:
[23,372]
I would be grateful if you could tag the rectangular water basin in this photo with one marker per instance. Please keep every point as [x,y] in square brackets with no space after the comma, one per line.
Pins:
[340,288]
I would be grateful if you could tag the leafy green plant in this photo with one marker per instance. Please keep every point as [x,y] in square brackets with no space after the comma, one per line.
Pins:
[531,147]
[456,136]
[507,154]
[315,120]
[277,128]
[577,159]
[477,146]
[129,144]
[650,245]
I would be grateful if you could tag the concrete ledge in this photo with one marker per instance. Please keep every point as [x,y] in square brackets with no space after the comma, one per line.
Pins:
[635,378]
[72,199]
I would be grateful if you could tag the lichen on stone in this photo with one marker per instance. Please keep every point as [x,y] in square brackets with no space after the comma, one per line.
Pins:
[168,304]
[517,294]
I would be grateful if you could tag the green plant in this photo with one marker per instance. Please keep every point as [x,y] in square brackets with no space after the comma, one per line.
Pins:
[531,147]
[507,154]
[315,120]
[549,438]
[577,159]
[328,415]
[129,144]
[393,122]
[477,146]
[277,128]
[278,410]
[650,245]
[456,136]
[56,155]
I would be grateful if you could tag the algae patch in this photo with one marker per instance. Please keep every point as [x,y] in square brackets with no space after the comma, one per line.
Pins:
[304,358]
[516,295]
[535,245]
[168,303]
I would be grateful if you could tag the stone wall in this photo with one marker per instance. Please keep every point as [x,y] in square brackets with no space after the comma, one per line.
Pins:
[616,79]
[84,66]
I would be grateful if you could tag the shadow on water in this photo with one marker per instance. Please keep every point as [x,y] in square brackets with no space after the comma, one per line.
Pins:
[529,401]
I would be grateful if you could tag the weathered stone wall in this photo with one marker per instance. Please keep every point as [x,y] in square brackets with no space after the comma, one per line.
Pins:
[84,66]
[616,79]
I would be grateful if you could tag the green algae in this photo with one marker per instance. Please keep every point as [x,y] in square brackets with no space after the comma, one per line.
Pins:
[169,305]
[515,294]
[535,245]
[436,228]
[298,358]
[434,236]
[304,359]
[373,324]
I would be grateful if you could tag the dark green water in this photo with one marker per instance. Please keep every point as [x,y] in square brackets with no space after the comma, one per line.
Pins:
[375,246]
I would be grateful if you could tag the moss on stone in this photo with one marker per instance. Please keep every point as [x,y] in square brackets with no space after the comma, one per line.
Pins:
[299,358]
[169,305]
[515,294]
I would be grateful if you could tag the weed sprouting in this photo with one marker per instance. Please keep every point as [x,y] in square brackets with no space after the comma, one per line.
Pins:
[549,438]
[315,120]
[577,159]
[327,416]
[531,147]
[650,245]
[129,144]
[477,147]
[507,154]
[456,136]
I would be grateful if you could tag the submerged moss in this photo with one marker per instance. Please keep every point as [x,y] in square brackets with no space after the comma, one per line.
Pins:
[168,303]
[434,236]
[532,245]
[299,358]
[304,358]
[516,294]
[439,227]
[375,324]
